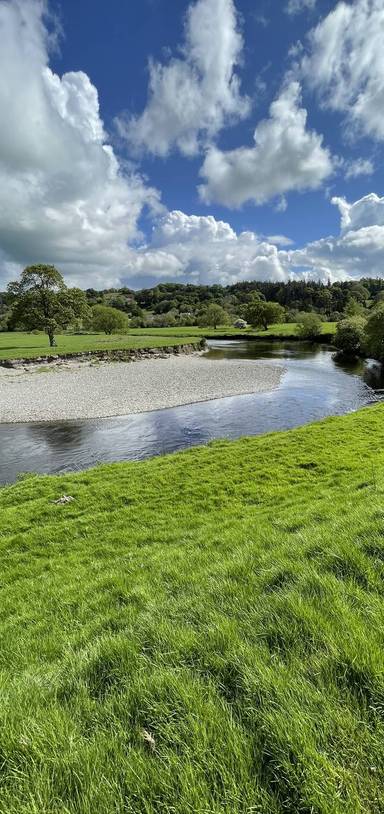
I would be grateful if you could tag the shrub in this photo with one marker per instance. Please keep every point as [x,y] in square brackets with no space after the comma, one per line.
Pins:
[350,336]
[309,326]
[108,320]
[375,332]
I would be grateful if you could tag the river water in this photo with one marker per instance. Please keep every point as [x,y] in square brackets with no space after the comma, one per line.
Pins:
[313,385]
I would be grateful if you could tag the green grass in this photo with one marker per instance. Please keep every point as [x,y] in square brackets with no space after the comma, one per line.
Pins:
[228,601]
[16,345]
[286,329]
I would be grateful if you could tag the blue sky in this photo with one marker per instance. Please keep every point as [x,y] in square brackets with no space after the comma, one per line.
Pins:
[113,42]
[203,141]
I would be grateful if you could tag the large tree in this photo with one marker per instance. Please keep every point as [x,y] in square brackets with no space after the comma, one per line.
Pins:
[261,313]
[42,301]
[213,316]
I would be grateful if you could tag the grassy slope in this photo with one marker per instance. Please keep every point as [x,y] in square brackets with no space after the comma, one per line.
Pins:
[228,601]
[17,345]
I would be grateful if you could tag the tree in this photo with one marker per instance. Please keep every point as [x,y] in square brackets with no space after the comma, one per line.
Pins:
[261,313]
[309,325]
[350,336]
[213,316]
[354,308]
[375,332]
[43,302]
[109,320]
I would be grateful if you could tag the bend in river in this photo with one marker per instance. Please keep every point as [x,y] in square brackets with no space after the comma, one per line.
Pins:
[312,385]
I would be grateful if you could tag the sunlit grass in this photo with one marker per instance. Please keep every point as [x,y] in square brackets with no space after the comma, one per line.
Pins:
[15,345]
[225,602]
[284,330]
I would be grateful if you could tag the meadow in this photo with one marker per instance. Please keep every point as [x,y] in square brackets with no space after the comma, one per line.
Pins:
[199,633]
[15,345]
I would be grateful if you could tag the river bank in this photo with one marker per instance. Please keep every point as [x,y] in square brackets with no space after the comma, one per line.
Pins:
[199,632]
[76,390]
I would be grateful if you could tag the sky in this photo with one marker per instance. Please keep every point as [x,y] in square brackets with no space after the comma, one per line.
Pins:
[211,141]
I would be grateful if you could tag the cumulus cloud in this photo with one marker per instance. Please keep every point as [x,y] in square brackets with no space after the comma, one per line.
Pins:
[359,249]
[367,211]
[210,251]
[296,6]
[64,198]
[286,156]
[192,96]
[345,64]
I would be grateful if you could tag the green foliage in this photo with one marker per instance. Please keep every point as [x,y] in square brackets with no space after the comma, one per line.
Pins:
[350,336]
[309,326]
[41,301]
[262,313]
[186,302]
[226,602]
[355,308]
[213,316]
[375,332]
[109,320]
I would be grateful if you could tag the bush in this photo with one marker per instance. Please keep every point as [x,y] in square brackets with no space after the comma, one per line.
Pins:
[350,336]
[309,326]
[292,316]
[375,333]
[108,320]
[335,316]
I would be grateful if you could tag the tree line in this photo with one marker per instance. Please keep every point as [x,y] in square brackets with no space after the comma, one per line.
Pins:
[170,304]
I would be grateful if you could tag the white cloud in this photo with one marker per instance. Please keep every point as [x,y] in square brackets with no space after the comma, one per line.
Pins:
[359,249]
[287,156]
[345,64]
[191,97]
[367,211]
[361,166]
[297,6]
[210,251]
[280,240]
[64,198]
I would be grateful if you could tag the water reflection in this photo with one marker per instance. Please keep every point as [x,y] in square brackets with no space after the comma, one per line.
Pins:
[314,385]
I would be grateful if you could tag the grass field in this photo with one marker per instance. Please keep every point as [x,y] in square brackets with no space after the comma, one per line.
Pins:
[200,633]
[16,345]
[23,345]
[283,330]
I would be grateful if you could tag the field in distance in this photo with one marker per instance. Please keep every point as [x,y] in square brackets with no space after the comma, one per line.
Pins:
[16,344]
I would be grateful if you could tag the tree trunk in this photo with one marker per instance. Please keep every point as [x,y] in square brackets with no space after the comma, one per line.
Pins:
[51,340]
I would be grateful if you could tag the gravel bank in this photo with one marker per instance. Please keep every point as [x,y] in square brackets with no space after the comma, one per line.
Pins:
[71,391]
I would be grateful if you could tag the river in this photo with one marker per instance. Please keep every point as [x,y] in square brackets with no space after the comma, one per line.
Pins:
[314,385]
